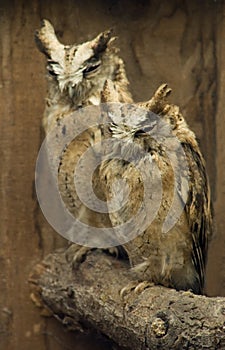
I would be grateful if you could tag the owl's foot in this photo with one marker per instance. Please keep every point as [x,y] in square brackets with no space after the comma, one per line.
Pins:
[77,254]
[118,252]
[136,287]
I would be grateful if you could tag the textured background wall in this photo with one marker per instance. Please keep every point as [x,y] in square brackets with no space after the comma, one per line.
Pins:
[179,42]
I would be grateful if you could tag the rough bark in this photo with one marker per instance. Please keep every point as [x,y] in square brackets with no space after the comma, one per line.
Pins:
[157,318]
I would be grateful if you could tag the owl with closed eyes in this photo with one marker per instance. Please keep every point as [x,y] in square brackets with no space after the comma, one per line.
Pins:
[76,73]
[75,77]
[157,142]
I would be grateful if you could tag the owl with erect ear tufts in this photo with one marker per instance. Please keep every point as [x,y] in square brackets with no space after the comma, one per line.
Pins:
[76,73]
[158,149]
[75,76]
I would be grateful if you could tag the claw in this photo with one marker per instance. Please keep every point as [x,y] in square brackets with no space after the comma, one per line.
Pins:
[128,288]
[118,252]
[76,254]
[80,256]
[142,286]
[137,287]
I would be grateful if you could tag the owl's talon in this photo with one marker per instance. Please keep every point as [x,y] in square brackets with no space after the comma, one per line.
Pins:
[142,286]
[112,251]
[136,287]
[188,293]
[118,252]
[80,257]
[128,289]
[76,254]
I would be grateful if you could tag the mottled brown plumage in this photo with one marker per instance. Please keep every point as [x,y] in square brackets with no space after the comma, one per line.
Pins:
[176,258]
[76,75]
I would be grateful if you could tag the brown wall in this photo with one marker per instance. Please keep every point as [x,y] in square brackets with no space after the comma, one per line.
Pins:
[179,42]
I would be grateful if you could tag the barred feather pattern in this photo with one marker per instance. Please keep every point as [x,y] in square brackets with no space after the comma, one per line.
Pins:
[177,258]
[75,76]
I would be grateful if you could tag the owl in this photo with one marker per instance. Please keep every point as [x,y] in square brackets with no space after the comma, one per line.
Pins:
[75,76]
[164,145]
[76,73]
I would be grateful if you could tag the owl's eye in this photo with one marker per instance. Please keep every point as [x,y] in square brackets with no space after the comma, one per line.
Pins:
[148,128]
[91,69]
[144,131]
[139,133]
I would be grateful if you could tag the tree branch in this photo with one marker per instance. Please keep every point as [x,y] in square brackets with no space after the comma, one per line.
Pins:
[156,318]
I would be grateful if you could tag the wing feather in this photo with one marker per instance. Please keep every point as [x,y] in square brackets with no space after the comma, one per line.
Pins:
[198,208]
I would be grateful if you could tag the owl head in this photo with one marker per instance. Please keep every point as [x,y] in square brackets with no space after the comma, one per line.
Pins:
[78,69]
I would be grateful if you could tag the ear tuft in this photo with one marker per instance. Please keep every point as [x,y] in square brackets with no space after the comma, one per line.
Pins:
[47,41]
[159,100]
[101,42]
[109,93]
